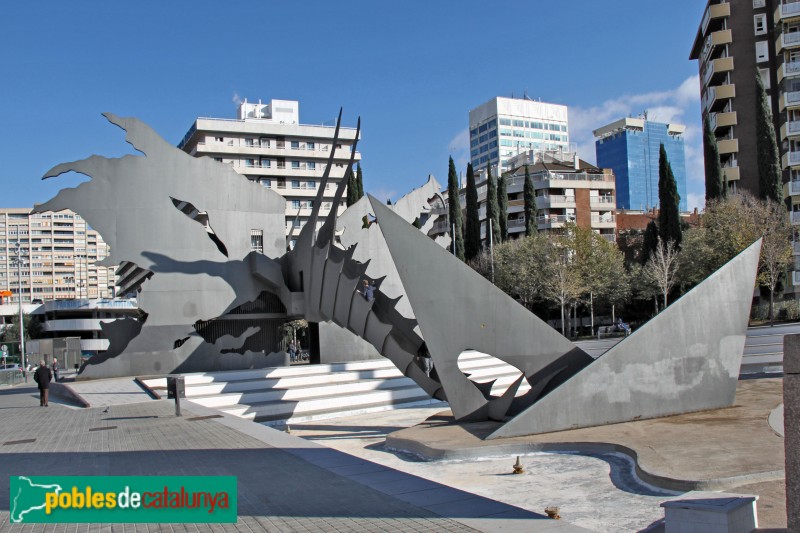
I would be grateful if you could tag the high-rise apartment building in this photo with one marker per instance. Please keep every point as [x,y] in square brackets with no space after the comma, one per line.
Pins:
[59,255]
[631,147]
[268,145]
[735,41]
[504,127]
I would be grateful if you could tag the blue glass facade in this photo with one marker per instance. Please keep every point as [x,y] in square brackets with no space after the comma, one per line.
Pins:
[633,156]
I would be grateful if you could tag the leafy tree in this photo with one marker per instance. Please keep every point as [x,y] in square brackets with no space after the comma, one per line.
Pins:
[502,205]
[32,325]
[454,209]
[472,232]
[492,208]
[563,282]
[770,184]
[714,176]
[662,268]
[776,250]
[602,267]
[649,241]
[359,181]
[530,204]
[669,222]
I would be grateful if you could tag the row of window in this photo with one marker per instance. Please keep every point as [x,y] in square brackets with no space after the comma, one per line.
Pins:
[532,124]
[267,163]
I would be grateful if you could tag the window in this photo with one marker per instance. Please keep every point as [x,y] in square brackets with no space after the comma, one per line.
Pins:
[266,182]
[505,121]
[760,24]
[312,184]
[295,204]
[257,240]
[295,184]
[265,163]
[219,139]
[295,164]
[758,3]
[295,145]
[519,123]
[249,162]
[762,52]
[248,142]
[218,159]
[310,146]
[483,128]
[312,165]
[764,77]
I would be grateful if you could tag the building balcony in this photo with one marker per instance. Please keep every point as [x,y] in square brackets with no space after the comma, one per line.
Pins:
[791,188]
[553,221]
[790,100]
[716,38]
[554,200]
[731,173]
[788,69]
[718,93]
[722,120]
[516,224]
[790,159]
[787,41]
[728,146]
[790,129]
[713,12]
[715,67]
[608,202]
[604,221]
[787,12]
[516,206]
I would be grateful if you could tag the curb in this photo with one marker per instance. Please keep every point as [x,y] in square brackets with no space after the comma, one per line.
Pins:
[65,392]
[428,453]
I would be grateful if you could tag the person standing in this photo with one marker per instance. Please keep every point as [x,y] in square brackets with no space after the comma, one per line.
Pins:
[292,351]
[42,377]
[55,369]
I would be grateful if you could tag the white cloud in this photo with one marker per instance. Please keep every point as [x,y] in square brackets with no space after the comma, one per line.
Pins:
[680,105]
[384,194]
[459,148]
[236,99]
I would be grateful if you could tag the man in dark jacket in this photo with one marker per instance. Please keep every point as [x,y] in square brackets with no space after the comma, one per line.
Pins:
[42,377]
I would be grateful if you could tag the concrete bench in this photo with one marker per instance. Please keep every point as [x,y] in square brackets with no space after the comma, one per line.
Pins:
[711,512]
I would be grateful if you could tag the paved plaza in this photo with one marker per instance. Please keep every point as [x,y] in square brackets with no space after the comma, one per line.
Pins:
[285,483]
[348,474]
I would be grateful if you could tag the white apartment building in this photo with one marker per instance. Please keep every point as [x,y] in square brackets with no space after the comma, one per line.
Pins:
[504,127]
[268,144]
[59,252]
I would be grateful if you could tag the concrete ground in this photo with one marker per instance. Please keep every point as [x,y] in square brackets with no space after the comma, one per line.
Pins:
[732,449]
[284,483]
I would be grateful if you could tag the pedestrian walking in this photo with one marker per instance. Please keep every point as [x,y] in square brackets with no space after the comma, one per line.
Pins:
[55,369]
[292,351]
[42,377]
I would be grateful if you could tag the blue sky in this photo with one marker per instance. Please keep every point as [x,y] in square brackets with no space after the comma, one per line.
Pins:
[412,71]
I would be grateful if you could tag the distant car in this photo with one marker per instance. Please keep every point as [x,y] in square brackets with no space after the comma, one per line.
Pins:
[10,366]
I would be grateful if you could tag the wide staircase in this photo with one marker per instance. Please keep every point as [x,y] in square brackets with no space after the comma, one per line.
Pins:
[300,393]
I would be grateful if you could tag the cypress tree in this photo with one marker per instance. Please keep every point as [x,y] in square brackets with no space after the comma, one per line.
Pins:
[530,204]
[649,241]
[492,208]
[359,181]
[770,181]
[472,233]
[454,208]
[714,178]
[669,223]
[502,205]
[352,190]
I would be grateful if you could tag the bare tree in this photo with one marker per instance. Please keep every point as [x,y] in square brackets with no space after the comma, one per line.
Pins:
[776,249]
[662,268]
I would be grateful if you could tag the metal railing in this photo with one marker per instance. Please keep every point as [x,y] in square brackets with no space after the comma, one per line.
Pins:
[11,377]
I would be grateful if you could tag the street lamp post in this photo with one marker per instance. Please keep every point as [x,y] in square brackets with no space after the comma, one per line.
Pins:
[18,259]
